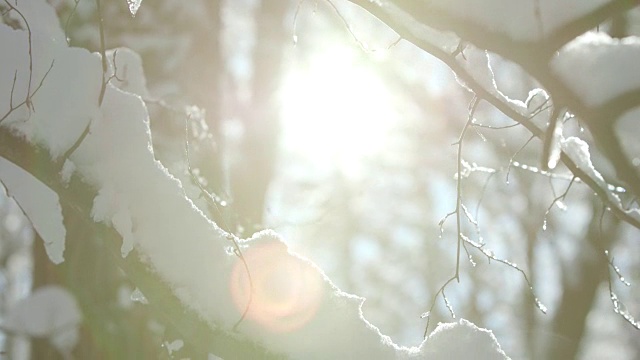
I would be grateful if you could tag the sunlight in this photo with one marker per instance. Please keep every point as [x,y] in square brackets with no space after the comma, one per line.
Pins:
[336,112]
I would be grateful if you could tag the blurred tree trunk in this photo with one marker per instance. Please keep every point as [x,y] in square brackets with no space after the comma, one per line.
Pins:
[108,331]
[44,273]
[579,287]
[251,176]
[201,78]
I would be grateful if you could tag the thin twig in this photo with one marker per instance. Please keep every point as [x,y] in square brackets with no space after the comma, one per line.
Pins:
[230,236]
[12,108]
[103,55]
[295,22]
[433,304]
[472,108]
[66,24]
[360,43]
[556,200]
[28,96]
[491,256]
[511,160]
[618,306]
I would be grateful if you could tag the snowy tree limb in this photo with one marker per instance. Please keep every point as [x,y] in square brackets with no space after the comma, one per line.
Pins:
[407,17]
[76,200]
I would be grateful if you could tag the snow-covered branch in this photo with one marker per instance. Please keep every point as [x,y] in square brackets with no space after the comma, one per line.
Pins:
[75,198]
[98,136]
[543,37]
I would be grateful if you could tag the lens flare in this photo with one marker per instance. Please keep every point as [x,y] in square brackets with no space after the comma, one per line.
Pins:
[286,289]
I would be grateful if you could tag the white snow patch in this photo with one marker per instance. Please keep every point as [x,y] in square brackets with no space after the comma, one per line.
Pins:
[134,5]
[476,64]
[578,150]
[599,68]
[67,171]
[462,340]
[51,114]
[521,20]
[40,204]
[50,312]
[138,296]
[173,346]
[129,76]
[536,99]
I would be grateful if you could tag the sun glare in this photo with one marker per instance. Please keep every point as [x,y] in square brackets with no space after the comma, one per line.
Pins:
[335,110]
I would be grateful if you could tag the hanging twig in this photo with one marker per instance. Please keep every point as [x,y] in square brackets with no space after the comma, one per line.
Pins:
[230,236]
[103,54]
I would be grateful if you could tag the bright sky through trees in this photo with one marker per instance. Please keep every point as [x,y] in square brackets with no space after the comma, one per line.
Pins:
[336,110]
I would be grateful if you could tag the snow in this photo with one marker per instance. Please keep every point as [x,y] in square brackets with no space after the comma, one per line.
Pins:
[40,204]
[293,307]
[49,312]
[599,68]
[173,346]
[578,150]
[138,296]
[445,41]
[476,63]
[129,75]
[134,5]
[68,168]
[478,343]
[76,68]
[521,20]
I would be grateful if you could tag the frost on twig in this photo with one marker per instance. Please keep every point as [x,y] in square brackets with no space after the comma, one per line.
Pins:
[464,169]
[134,5]
[618,306]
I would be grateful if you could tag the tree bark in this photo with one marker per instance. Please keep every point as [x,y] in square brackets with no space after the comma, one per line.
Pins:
[580,285]
[251,176]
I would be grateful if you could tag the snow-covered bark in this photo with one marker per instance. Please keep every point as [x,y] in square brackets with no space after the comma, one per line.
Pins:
[253,289]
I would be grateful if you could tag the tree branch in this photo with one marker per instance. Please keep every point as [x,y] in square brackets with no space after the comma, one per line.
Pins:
[531,58]
[77,199]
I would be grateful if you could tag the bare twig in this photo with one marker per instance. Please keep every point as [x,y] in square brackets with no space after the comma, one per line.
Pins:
[355,37]
[79,141]
[556,200]
[27,100]
[491,256]
[295,22]
[103,54]
[230,236]
[511,160]
[115,69]
[472,108]
[618,306]
[66,24]
[427,314]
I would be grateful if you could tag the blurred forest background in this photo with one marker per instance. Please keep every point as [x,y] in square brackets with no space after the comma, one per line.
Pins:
[320,124]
